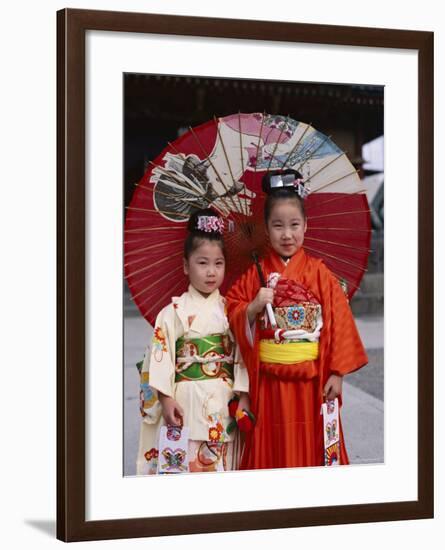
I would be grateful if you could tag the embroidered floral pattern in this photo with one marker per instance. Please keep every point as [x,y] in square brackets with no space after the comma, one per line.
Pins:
[159,344]
[151,457]
[159,339]
[217,433]
[303,316]
[214,434]
[151,454]
[295,315]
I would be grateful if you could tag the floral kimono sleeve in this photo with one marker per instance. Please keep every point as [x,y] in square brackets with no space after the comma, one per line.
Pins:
[149,405]
[241,377]
[162,355]
[157,372]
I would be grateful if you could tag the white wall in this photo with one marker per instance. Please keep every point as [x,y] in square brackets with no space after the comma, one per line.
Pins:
[28,134]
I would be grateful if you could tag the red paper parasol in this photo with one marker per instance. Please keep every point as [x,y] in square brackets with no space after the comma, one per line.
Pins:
[220,164]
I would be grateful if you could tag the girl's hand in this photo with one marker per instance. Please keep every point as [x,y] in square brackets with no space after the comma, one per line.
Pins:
[264,296]
[171,410]
[333,387]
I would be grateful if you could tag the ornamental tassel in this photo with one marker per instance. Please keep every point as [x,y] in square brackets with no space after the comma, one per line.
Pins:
[245,420]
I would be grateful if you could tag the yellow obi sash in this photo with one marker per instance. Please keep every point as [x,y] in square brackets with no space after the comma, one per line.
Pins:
[287,353]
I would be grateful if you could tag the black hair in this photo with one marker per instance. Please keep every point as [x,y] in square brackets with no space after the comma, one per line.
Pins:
[196,236]
[273,195]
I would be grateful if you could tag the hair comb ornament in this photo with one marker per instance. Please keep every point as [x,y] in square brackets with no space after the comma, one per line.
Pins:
[210,224]
[289,180]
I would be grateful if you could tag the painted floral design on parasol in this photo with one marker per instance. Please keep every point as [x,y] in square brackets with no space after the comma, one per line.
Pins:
[220,164]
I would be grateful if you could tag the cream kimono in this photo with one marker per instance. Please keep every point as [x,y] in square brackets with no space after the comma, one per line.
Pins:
[203,389]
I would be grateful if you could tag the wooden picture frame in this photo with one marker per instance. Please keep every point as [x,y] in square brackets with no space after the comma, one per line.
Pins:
[71,222]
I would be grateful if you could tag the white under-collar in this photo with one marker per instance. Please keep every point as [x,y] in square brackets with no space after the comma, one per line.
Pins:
[196,295]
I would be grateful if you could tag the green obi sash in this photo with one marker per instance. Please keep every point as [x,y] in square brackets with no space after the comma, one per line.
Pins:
[204,358]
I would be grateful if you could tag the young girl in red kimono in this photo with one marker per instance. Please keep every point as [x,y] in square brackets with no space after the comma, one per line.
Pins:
[295,367]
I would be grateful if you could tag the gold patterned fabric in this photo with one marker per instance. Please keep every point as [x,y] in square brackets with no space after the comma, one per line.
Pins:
[303,316]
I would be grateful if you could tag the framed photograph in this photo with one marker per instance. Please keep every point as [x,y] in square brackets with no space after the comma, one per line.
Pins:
[120,71]
[167,178]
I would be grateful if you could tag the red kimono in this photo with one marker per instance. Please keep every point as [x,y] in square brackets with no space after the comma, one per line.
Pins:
[286,398]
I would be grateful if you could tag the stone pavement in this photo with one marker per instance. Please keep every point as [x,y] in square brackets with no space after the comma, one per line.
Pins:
[363,407]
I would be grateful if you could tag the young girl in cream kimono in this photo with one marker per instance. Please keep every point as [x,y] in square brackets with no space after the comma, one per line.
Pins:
[192,370]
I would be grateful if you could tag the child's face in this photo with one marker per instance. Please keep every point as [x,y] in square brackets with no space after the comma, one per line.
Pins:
[286,227]
[205,267]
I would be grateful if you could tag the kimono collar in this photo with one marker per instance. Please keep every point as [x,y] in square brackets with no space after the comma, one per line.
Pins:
[196,295]
[294,265]
[193,309]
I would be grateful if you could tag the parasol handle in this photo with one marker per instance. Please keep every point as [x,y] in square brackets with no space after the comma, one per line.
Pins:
[271,316]
[269,309]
